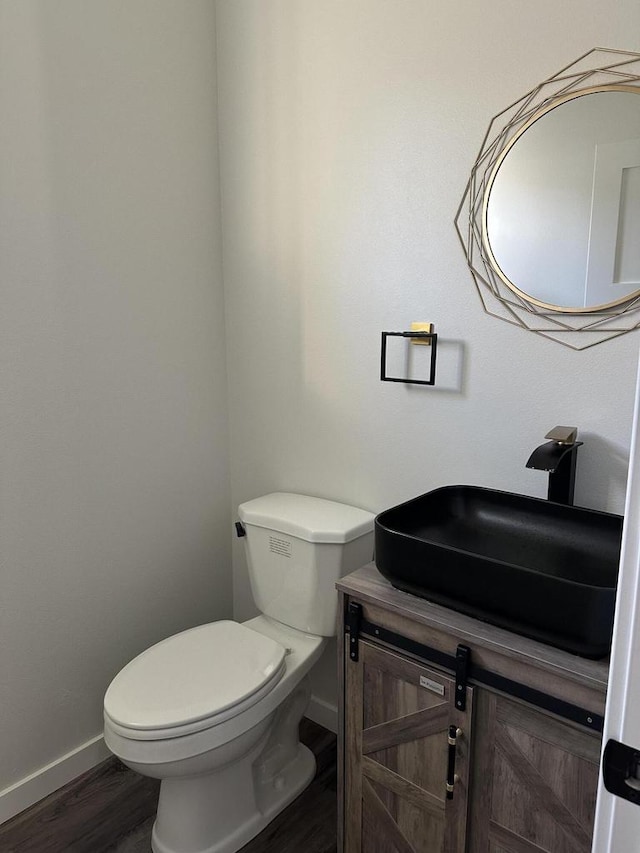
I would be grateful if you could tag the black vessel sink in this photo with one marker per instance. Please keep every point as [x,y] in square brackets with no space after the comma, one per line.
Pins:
[541,569]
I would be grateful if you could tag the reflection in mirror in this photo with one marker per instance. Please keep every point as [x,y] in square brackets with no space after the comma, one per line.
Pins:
[562,208]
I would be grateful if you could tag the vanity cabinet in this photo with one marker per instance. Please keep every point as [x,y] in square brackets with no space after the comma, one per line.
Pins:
[526,765]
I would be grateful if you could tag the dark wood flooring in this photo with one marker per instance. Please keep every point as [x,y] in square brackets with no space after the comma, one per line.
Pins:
[111,808]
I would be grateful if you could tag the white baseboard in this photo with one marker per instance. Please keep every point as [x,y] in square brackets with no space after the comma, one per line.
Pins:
[323,713]
[31,789]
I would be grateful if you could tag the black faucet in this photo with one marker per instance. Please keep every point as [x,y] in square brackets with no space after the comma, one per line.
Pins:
[558,457]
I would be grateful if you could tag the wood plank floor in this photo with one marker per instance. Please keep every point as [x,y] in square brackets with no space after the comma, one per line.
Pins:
[111,809]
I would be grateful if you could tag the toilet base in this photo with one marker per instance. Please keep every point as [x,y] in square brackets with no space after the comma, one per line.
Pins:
[192,824]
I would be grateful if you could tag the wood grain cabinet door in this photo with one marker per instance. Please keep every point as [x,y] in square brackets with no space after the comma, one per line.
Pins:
[398,716]
[534,778]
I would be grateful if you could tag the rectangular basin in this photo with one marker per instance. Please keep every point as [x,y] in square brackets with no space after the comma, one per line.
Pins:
[541,569]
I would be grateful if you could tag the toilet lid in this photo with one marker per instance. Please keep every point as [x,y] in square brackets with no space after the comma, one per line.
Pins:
[194,675]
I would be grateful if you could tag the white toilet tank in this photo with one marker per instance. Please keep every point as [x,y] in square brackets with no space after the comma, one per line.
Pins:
[297,547]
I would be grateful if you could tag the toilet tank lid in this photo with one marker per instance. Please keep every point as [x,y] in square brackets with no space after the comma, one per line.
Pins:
[308,518]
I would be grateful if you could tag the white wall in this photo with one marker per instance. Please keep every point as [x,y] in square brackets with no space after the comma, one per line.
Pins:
[347,133]
[114,516]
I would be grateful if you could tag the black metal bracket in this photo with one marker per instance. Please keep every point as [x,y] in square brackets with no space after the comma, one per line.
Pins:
[429,336]
[463,662]
[354,620]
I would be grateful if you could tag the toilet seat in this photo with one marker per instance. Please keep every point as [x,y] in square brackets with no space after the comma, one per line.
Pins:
[193,681]
[163,748]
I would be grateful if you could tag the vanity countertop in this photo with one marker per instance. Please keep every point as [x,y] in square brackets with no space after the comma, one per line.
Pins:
[549,668]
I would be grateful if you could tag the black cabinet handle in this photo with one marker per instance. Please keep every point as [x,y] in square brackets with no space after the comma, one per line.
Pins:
[454,734]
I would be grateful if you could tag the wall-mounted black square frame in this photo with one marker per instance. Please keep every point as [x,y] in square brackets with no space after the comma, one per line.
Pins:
[430,336]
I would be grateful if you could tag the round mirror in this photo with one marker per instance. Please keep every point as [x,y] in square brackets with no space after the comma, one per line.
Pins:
[561,211]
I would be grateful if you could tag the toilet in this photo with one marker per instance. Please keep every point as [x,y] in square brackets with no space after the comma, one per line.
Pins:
[213,711]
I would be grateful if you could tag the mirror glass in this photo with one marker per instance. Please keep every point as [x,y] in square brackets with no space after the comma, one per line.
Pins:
[561,218]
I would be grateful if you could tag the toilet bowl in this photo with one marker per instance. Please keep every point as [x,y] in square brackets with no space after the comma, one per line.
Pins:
[208,764]
[213,712]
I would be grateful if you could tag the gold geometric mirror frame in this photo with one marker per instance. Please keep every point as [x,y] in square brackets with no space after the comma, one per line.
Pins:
[600,68]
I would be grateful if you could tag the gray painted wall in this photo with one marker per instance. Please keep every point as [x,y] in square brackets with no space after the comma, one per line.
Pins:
[114,515]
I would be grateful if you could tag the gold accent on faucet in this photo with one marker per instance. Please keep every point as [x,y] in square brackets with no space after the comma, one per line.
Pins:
[563,434]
